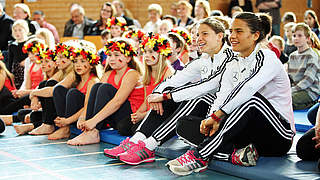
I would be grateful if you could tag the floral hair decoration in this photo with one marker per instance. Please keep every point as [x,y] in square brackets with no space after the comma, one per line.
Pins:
[64,49]
[86,54]
[183,33]
[48,54]
[35,48]
[135,34]
[1,56]
[120,45]
[157,43]
[120,21]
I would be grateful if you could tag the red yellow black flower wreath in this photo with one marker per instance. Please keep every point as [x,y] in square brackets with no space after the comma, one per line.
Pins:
[120,21]
[120,45]
[183,33]
[157,43]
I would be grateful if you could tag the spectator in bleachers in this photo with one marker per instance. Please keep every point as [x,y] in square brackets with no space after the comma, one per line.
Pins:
[105,36]
[245,5]
[184,13]
[16,60]
[289,46]
[235,11]
[174,9]
[273,8]
[303,69]
[22,11]
[107,11]
[154,14]
[194,50]
[79,25]
[5,31]
[121,11]
[39,17]
[173,19]
[279,43]
[201,10]
[288,17]
[310,18]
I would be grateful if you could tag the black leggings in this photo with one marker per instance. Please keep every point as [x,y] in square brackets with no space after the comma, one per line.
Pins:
[67,101]
[306,147]
[100,95]
[162,128]
[254,122]
[9,104]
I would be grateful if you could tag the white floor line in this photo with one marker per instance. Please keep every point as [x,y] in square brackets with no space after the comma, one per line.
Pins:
[70,169]
[53,157]
[22,137]
[32,145]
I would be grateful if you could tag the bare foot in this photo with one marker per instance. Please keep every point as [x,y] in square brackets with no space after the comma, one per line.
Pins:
[61,133]
[7,119]
[42,130]
[27,119]
[87,137]
[23,128]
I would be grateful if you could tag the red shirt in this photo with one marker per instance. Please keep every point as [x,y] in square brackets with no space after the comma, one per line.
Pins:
[83,90]
[35,77]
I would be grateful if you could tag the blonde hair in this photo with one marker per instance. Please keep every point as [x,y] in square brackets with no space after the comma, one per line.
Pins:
[21,23]
[48,37]
[187,4]
[161,66]
[303,27]
[155,7]
[205,5]
[289,25]
[315,42]
[24,7]
[279,39]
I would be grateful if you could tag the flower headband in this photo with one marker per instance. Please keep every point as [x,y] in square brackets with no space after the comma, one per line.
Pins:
[135,34]
[64,49]
[1,56]
[91,57]
[35,48]
[120,45]
[157,43]
[48,54]
[183,33]
[117,21]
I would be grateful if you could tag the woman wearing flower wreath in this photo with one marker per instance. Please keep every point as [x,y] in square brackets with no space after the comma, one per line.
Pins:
[117,26]
[136,35]
[160,123]
[115,98]
[42,97]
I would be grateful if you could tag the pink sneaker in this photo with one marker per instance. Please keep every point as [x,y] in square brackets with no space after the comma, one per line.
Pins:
[123,147]
[137,154]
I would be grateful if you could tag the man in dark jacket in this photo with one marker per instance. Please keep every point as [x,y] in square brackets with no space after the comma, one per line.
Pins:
[79,25]
[5,31]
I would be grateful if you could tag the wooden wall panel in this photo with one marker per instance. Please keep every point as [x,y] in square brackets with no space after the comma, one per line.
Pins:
[57,11]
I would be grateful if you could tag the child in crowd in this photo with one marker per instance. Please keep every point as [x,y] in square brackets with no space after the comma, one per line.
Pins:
[117,26]
[136,35]
[184,51]
[69,96]
[310,18]
[303,69]
[289,46]
[159,125]
[113,100]
[17,58]
[42,97]
[289,17]
[279,43]
[194,50]
[156,69]
[154,14]
[164,27]
[252,110]
[105,36]
[49,69]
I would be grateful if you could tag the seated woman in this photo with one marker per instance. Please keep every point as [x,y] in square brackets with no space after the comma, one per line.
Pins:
[308,146]
[252,112]
[113,100]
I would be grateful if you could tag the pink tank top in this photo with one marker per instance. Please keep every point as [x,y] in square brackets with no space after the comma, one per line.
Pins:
[84,88]
[35,77]
[136,96]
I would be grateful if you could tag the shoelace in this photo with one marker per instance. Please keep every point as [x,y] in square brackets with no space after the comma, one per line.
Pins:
[124,142]
[136,147]
[186,158]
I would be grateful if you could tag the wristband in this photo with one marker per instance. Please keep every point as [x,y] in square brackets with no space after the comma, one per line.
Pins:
[215,118]
[165,96]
